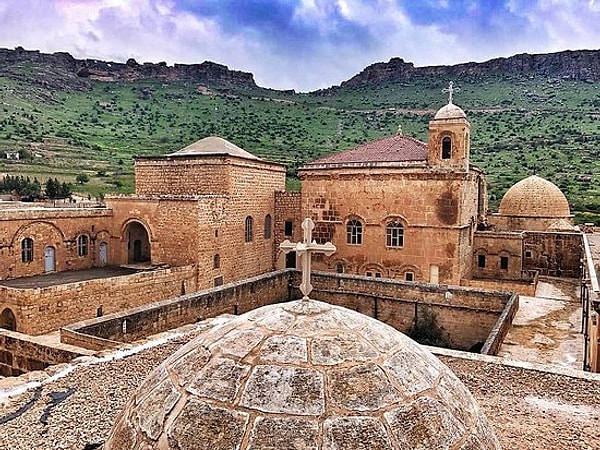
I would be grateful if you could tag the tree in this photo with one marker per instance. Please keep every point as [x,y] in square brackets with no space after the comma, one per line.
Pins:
[65,190]
[52,187]
[82,178]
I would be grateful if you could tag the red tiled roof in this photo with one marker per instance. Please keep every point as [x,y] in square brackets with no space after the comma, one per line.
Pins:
[390,149]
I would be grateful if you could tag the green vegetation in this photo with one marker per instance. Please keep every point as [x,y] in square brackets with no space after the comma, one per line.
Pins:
[25,188]
[520,126]
[427,331]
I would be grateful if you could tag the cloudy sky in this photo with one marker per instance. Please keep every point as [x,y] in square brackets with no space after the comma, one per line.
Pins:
[300,44]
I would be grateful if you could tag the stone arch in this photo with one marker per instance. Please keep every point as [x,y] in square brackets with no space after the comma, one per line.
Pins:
[23,231]
[371,269]
[401,271]
[335,264]
[137,237]
[396,217]
[8,321]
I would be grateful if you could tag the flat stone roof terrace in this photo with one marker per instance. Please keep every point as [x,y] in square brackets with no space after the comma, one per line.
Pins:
[530,406]
[57,278]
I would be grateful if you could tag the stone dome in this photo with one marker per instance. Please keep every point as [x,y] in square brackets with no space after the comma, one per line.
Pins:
[450,111]
[302,375]
[534,197]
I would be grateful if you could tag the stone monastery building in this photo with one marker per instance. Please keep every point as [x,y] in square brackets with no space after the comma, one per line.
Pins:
[213,213]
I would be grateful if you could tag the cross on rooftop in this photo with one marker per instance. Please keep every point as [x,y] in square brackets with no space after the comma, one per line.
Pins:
[450,90]
[305,249]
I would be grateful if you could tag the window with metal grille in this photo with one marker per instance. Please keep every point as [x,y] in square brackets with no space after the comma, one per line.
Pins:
[82,245]
[268,226]
[27,250]
[395,234]
[248,233]
[354,232]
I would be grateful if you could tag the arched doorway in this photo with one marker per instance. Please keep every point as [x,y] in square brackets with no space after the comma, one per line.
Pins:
[8,320]
[49,259]
[138,243]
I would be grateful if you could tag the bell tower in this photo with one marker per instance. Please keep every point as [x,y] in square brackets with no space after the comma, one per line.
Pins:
[449,137]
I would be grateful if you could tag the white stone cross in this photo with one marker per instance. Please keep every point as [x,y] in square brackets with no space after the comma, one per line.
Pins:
[305,249]
[450,90]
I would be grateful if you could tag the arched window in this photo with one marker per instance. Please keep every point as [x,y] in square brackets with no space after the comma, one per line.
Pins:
[248,233]
[216,261]
[339,268]
[27,250]
[446,148]
[394,234]
[82,245]
[354,232]
[268,226]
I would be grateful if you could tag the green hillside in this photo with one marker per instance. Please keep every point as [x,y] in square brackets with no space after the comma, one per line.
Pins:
[521,125]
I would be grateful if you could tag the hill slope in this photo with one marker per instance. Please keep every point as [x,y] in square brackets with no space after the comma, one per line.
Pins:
[530,114]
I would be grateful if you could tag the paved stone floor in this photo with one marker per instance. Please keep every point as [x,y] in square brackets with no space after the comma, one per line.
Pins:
[547,328]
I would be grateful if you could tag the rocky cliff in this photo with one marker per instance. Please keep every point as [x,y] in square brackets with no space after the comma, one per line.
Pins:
[581,65]
[62,71]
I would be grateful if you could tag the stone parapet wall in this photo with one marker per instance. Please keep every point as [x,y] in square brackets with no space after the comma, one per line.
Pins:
[138,323]
[20,354]
[499,331]
[466,315]
[41,310]
[523,287]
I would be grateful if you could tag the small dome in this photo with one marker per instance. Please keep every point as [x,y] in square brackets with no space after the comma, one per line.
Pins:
[450,111]
[534,197]
[302,375]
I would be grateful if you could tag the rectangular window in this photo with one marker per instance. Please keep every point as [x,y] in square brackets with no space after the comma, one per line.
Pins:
[481,261]
[288,228]
[218,281]
[504,262]
[409,276]
[354,232]
[528,254]
[395,235]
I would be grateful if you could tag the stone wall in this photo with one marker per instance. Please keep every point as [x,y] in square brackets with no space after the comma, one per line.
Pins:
[166,175]
[51,230]
[20,354]
[137,323]
[438,211]
[491,247]
[525,287]
[500,330]
[466,315]
[553,253]
[41,310]
[252,196]
[287,209]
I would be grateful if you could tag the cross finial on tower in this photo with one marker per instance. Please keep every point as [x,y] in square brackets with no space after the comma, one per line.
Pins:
[305,249]
[450,90]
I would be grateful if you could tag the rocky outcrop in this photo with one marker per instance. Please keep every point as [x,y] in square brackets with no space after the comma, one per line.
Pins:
[581,65]
[62,71]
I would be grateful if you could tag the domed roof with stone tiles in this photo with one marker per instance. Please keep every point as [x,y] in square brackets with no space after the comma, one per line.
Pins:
[302,375]
[534,197]
[214,145]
